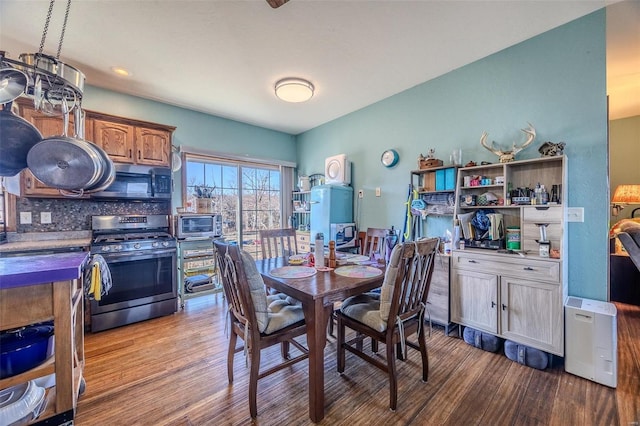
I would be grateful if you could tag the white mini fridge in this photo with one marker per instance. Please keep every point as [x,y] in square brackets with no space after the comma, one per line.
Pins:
[591,343]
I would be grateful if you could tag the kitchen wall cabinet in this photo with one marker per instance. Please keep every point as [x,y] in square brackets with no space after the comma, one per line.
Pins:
[129,141]
[516,295]
[196,258]
[124,140]
[116,139]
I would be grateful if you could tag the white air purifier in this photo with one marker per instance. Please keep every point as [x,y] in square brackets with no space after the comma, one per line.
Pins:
[591,343]
[337,170]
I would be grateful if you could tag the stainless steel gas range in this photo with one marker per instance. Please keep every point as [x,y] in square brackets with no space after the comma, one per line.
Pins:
[141,255]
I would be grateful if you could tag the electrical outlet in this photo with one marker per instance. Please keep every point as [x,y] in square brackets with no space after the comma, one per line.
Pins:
[378,192]
[45,218]
[361,193]
[25,218]
[575,214]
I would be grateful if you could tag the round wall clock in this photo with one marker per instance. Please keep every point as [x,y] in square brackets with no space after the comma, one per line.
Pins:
[389,158]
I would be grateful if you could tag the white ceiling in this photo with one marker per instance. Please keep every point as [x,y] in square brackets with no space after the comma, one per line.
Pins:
[223,57]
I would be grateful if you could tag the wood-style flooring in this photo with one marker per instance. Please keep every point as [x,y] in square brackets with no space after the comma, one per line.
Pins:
[172,371]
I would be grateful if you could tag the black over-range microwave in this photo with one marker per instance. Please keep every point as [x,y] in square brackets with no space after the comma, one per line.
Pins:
[139,182]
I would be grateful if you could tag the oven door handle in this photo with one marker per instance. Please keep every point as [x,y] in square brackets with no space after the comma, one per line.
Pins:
[127,255]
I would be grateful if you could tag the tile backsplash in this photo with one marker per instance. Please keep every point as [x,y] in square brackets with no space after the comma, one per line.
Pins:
[75,215]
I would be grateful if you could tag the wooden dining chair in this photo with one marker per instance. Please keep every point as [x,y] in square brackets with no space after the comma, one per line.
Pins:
[374,242]
[260,320]
[278,242]
[393,315]
[371,242]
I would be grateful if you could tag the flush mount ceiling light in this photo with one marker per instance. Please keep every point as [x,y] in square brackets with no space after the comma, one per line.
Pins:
[294,90]
[121,71]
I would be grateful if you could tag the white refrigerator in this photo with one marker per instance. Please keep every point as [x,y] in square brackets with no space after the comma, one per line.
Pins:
[330,204]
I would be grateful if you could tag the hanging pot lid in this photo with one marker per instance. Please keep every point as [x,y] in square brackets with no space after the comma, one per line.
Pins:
[65,163]
[16,139]
[108,172]
[12,84]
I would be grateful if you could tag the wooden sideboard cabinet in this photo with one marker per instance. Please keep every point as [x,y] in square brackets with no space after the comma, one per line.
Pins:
[518,299]
[518,295]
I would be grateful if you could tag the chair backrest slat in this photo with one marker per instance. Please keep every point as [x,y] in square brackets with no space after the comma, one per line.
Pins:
[278,242]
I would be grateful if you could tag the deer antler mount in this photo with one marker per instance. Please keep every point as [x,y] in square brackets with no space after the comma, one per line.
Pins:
[508,156]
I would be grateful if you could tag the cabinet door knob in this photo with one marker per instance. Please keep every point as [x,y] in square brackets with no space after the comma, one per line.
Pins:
[472,261]
[528,268]
[493,304]
[504,307]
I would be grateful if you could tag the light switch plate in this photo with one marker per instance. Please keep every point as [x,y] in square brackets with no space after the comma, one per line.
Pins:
[378,192]
[45,218]
[25,218]
[575,214]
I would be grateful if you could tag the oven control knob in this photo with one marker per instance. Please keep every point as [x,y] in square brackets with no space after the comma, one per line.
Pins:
[137,246]
[154,244]
[165,244]
[119,247]
[106,248]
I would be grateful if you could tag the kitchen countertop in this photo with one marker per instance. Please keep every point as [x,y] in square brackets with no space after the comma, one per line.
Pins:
[22,271]
[45,241]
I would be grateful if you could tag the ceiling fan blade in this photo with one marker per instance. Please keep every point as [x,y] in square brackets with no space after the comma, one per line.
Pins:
[276,3]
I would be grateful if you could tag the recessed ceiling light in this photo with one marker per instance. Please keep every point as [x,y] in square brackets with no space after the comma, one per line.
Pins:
[294,90]
[121,71]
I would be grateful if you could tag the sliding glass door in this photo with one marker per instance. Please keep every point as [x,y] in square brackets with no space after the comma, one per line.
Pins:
[249,197]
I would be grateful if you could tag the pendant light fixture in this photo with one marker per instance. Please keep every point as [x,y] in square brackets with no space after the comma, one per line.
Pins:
[294,90]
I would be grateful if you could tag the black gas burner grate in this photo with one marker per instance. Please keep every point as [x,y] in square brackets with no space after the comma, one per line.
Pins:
[130,236]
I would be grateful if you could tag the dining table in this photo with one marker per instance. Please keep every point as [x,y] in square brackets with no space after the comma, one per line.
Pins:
[317,292]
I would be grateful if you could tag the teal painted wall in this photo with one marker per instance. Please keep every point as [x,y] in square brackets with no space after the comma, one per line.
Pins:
[196,129]
[556,81]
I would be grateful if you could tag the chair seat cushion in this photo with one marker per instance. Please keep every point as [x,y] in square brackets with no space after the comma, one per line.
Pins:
[365,308]
[283,312]
[258,292]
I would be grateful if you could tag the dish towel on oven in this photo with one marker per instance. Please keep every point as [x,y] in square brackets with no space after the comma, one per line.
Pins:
[97,278]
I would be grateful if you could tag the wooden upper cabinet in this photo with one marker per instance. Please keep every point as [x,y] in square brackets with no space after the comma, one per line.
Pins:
[48,125]
[124,140]
[153,147]
[130,141]
[115,139]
